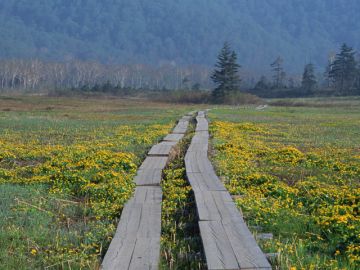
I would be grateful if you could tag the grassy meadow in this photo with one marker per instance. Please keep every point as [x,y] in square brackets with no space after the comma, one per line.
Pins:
[67,164]
[295,173]
[66,170]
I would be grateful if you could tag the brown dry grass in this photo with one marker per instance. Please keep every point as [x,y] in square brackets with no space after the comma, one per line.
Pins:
[77,104]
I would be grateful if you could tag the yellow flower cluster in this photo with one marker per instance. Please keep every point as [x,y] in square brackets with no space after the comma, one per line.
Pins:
[88,171]
[98,165]
[309,198]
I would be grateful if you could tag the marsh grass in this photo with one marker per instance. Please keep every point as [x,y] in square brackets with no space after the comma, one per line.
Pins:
[297,170]
[181,246]
[39,230]
[41,227]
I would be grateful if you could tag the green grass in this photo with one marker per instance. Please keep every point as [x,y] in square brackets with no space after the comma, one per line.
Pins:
[181,246]
[40,229]
[302,125]
[35,225]
[297,170]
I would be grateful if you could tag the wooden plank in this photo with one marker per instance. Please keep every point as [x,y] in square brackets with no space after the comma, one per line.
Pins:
[201,114]
[147,249]
[201,137]
[202,124]
[218,251]
[173,137]
[227,242]
[198,162]
[247,252]
[136,244]
[162,149]
[193,161]
[146,254]
[119,254]
[206,206]
[226,248]
[140,223]
[154,163]
[216,206]
[145,194]
[179,130]
[198,147]
[205,181]
[148,177]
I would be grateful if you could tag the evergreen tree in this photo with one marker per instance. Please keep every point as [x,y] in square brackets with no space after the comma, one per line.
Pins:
[226,74]
[279,74]
[309,81]
[343,70]
[262,84]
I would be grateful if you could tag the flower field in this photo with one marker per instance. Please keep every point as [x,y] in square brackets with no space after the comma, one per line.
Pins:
[295,173]
[65,174]
[67,168]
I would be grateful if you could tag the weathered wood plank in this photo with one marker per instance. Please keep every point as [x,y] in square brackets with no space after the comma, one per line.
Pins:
[198,162]
[205,181]
[199,147]
[202,124]
[180,130]
[216,206]
[173,137]
[234,244]
[148,177]
[218,251]
[193,161]
[182,126]
[144,194]
[136,244]
[247,252]
[228,243]
[161,149]
[146,254]
[154,163]
[201,137]
[119,254]
[140,223]
[201,114]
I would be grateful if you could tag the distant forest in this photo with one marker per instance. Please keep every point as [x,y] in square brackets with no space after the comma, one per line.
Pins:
[186,32]
[340,77]
[284,48]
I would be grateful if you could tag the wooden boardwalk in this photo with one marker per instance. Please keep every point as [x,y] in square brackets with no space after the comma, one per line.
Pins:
[136,244]
[227,242]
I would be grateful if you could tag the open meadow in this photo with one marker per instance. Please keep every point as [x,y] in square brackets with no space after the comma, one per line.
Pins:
[295,173]
[67,167]
[66,170]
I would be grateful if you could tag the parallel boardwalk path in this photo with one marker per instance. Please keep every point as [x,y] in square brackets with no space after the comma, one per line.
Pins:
[136,244]
[227,242]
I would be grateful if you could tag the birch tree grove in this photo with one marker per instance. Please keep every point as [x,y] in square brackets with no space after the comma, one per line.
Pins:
[38,75]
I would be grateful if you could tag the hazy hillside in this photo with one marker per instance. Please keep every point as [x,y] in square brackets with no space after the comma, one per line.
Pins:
[186,31]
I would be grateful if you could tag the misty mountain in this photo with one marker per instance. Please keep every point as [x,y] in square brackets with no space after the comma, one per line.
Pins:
[178,31]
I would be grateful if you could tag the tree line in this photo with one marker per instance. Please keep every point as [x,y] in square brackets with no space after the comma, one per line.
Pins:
[341,77]
[34,75]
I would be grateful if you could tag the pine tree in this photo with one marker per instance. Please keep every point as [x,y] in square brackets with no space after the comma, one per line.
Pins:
[343,70]
[309,81]
[262,84]
[226,74]
[279,74]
